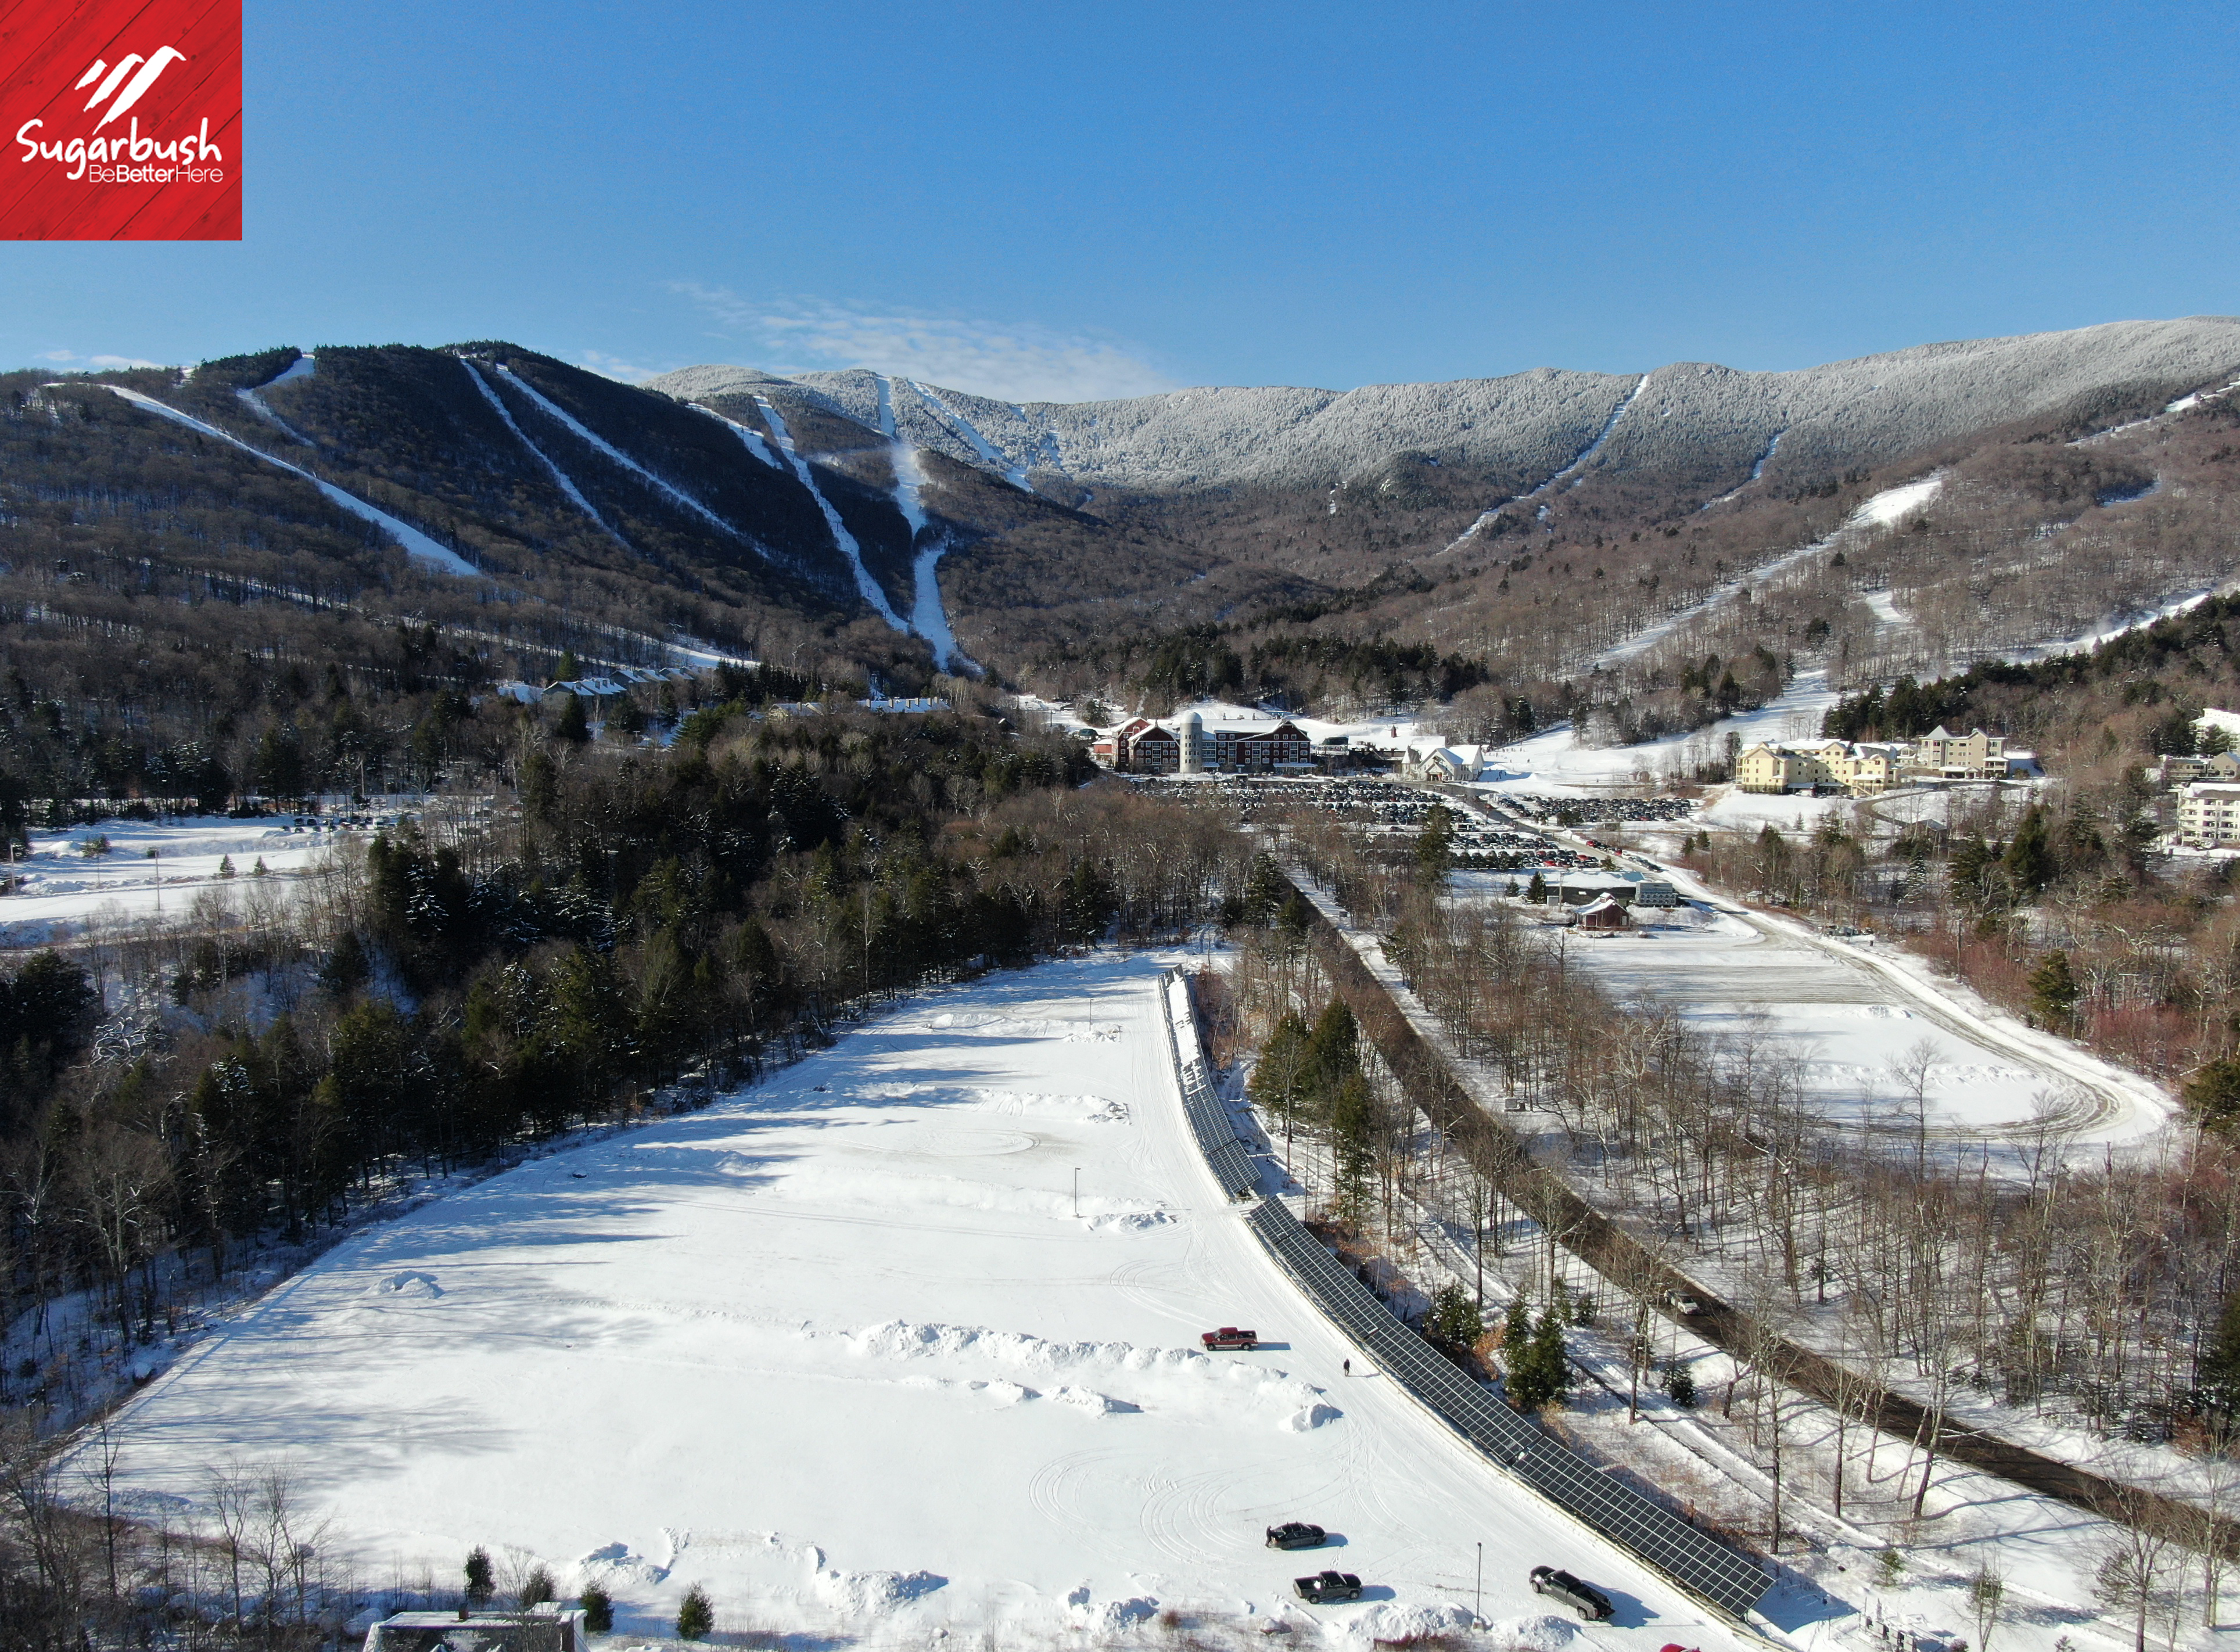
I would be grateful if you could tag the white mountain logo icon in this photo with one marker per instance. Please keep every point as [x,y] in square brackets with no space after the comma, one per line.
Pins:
[135,89]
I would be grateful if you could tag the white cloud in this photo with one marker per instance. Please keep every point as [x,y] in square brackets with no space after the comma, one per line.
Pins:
[1007,363]
[614,367]
[98,363]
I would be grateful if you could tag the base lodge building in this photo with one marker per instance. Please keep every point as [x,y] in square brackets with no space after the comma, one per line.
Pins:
[1146,748]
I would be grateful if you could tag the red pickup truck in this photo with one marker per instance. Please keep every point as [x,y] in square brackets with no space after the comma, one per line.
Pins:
[1229,1337]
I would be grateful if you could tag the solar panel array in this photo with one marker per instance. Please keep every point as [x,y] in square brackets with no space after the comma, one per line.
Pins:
[1208,1114]
[1696,1560]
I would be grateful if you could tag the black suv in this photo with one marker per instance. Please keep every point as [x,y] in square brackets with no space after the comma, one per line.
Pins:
[1585,1599]
[1325,1588]
[1296,1533]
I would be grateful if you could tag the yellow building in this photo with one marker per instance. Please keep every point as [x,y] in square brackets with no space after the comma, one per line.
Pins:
[1859,769]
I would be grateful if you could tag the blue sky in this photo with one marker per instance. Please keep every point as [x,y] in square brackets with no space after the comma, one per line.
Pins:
[1066,201]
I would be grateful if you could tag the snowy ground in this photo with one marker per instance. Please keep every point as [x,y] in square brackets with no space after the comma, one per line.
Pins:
[59,889]
[841,1349]
[1555,763]
[1848,1021]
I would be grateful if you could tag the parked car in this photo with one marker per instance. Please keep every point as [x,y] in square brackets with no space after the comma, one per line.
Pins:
[1682,1302]
[1229,1337]
[1585,1599]
[1324,1588]
[1296,1533]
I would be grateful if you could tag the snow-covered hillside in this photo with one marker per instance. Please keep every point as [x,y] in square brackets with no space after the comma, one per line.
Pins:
[846,1350]
[1530,424]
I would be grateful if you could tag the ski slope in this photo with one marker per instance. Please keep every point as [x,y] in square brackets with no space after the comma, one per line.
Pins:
[843,1349]
[844,542]
[560,478]
[416,545]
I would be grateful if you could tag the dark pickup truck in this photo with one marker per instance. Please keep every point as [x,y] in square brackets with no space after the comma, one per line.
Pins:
[1229,1337]
[1583,1598]
[1327,1587]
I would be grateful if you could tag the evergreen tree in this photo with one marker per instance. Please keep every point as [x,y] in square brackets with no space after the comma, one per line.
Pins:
[1280,1077]
[536,1588]
[1435,852]
[1515,1329]
[2029,863]
[573,726]
[1539,1375]
[2212,1095]
[1968,870]
[696,1617]
[1454,1323]
[598,1609]
[1263,889]
[1537,890]
[480,1583]
[1333,1052]
[2054,990]
[1680,1383]
[2217,1376]
[1353,1140]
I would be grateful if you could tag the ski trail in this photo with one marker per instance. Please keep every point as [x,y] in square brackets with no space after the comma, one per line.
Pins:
[416,545]
[254,403]
[1486,518]
[1883,510]
[559,476]
[910,476]
[865,585]
[753,439]
[2183,405]
[617,454]
[304,366]
[928,617]
[1013,474]
[253,398]
[1756,470]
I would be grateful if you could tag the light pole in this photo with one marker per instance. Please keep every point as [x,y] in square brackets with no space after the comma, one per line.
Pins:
[1479,1610]
[1076,1192]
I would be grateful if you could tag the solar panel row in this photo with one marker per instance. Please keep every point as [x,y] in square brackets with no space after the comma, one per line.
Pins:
[1693,1559]
[1208,1117]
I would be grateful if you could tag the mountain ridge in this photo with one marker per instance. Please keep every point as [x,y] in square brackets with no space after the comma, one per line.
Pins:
[1523,426]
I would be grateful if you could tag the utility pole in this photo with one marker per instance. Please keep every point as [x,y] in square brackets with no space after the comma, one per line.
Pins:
[1479,1610]
[1077,1191]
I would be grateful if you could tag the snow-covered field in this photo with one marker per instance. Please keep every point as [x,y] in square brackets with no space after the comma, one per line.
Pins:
[1849,1023]
[843,1349]
[59,889]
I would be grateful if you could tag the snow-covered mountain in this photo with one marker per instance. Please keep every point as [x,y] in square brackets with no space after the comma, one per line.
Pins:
[1686,416]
